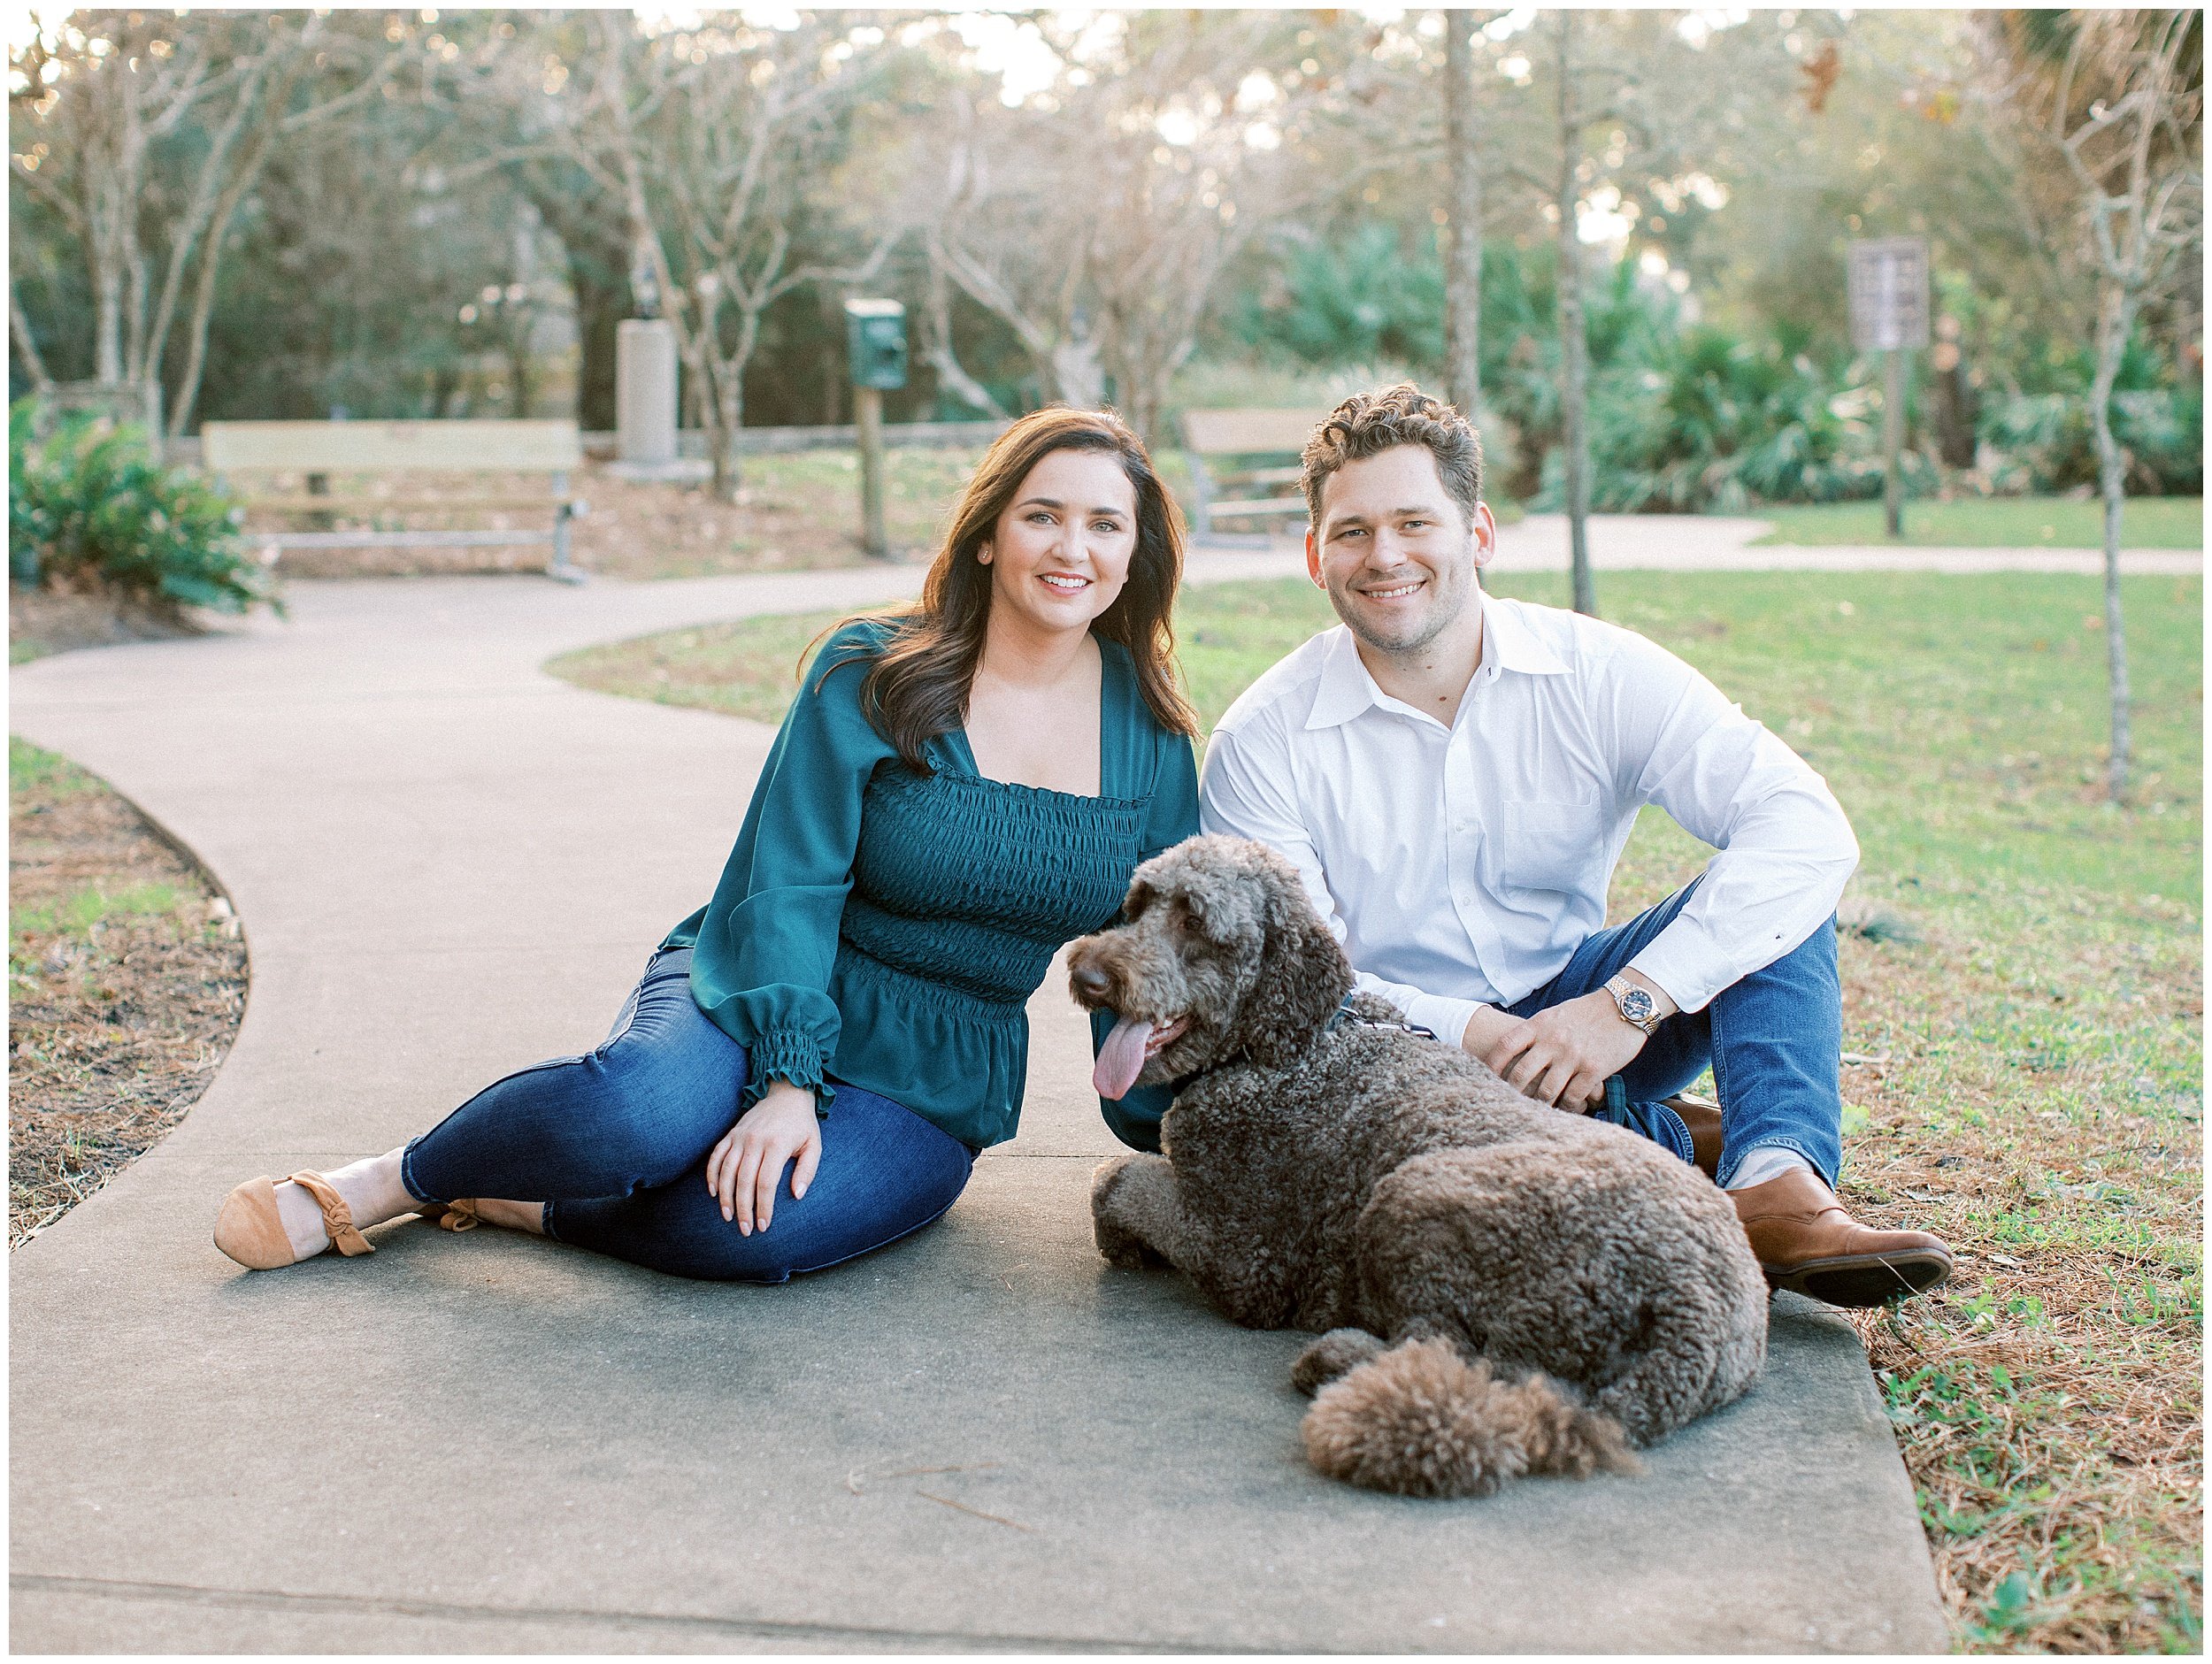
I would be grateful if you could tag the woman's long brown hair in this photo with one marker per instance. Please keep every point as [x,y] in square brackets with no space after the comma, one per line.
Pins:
[918,686]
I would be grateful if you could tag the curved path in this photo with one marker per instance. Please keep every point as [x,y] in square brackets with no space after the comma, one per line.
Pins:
[450,864]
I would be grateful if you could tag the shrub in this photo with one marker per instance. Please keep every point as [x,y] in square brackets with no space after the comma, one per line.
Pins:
[2043,441]
[88,506]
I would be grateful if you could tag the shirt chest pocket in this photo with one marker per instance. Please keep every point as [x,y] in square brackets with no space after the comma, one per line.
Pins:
[1550,844]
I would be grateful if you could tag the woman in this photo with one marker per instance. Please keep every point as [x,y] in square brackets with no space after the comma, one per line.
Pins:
[957,791]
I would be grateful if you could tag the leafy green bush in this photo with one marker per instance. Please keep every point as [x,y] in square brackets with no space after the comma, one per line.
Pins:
[2044,441]
[1709,420]
[89,506]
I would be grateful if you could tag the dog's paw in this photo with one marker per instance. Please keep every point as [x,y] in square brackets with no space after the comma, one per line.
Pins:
[1337,1352]
[1120,1245]
[1106,1177]
[1124,1248]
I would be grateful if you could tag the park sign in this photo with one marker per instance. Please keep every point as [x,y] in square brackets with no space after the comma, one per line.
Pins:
[875,343]
[1889,293]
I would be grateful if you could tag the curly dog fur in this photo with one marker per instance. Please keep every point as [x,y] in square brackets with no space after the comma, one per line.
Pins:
[1504,1289]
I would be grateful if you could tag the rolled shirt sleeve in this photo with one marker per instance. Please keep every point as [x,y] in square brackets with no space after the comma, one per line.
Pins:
[1248,791]
[1785,849]
[767,942]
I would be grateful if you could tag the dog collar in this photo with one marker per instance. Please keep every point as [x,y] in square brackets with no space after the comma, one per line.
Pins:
[1338,1018]
[1345,1014]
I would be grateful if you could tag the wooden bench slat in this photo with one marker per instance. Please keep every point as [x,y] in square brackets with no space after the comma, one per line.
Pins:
[438,447]
[1273,505]
[1241,478]
[1225,432]
[311,505]
[399,539]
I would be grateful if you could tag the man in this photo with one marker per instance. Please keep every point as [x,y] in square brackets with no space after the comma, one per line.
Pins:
[1454,775]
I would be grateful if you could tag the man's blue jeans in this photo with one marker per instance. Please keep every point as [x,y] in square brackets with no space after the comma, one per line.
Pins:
[1774,1041]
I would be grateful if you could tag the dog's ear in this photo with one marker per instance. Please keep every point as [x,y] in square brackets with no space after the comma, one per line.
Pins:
[1303,975]
[1139,897]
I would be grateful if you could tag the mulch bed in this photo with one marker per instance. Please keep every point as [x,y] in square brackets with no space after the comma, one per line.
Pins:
[42,621]
[796,510]
[127,977]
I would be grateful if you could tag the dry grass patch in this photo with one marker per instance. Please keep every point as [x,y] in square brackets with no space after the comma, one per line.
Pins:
[127,979]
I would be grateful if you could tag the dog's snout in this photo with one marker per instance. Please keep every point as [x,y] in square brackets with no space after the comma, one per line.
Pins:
[1090,982]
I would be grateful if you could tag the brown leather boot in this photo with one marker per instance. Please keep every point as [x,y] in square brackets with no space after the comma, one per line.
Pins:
[1805,1241]
[1702,1117]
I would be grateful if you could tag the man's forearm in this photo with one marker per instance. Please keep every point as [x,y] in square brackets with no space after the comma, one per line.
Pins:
[1666,1003]
[1485,1028]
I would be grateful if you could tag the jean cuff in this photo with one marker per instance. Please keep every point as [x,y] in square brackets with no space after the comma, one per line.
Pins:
[407,1173]
[1667,1129]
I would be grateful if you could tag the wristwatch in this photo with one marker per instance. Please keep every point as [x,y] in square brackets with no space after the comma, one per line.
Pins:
[1638,1008]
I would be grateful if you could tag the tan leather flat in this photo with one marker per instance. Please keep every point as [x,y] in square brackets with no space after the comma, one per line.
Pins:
[453,1215]
[250,1230]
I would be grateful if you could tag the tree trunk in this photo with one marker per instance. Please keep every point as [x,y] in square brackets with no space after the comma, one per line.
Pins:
[1574,363]
[1078,378]
[1462,264]
[937,352]
[725,410]
[26,342]
[188,394]
[521,383]
[600,307]
[107,347]
[2114,317]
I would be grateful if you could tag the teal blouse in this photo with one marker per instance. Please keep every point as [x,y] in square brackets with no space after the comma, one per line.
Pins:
[884,928]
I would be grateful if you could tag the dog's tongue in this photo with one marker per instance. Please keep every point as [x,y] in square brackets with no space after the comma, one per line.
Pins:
[1121,1059]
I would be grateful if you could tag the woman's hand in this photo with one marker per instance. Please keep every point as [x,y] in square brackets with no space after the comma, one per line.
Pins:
[748,1165]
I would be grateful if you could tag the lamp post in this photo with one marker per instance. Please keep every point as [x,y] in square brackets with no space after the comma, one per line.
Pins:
[875,347]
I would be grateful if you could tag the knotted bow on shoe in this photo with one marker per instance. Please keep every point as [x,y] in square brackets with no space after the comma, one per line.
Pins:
[337,1217]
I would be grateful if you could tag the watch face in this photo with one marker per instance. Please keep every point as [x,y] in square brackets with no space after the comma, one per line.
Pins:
[1636,1006]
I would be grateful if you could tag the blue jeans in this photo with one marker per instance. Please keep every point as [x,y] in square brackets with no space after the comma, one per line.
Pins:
[615,1143]
[1774,1042]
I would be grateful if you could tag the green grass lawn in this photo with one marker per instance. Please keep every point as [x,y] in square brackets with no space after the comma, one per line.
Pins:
[2025,1061]
[1994,522]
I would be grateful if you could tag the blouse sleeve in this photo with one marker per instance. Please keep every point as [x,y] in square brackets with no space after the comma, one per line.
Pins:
[767,941]
[1136,1119]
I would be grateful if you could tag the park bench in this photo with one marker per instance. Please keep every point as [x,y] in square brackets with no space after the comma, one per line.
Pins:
[1224,447]
[369,454]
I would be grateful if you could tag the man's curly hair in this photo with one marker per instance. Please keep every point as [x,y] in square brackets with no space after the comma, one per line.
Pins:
[1367,424]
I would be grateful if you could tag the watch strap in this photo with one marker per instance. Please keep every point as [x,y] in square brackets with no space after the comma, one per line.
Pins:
[1620,987]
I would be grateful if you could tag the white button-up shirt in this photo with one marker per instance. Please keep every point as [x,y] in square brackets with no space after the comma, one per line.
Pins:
[1463,865]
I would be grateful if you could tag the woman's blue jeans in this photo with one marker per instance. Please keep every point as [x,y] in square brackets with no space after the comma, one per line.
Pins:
[1774,1042]
[615,1143]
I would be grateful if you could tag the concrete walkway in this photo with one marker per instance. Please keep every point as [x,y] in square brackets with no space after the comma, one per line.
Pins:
[451,865]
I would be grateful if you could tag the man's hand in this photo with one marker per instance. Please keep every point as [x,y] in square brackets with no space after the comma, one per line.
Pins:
[748,1165]
[1561,1056]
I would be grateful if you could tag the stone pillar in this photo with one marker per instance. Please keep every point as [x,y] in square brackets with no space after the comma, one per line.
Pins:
[645,391]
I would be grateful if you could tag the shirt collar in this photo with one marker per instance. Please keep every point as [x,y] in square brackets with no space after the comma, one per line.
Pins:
[1346,689]
[1509,643]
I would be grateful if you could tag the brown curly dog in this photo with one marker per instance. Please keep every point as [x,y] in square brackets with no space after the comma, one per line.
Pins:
[1506,1289]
